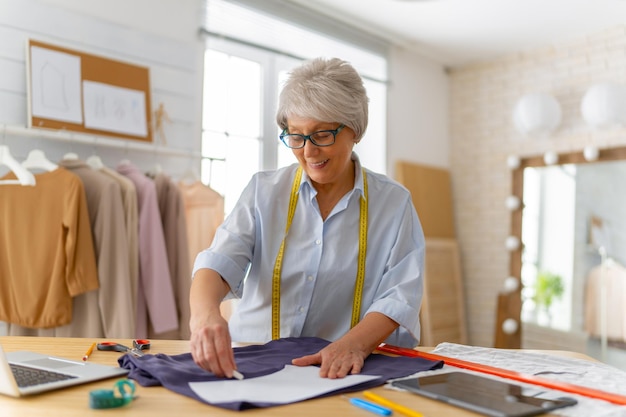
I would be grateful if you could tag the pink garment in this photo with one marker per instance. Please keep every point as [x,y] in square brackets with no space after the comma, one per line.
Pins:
[155,294]
[175,230]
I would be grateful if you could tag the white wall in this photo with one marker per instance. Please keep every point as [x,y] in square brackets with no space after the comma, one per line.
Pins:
[417,118]
[160,35]
[164,35]
[176,19]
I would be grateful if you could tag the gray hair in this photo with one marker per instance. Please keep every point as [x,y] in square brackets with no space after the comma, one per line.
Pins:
[328,90]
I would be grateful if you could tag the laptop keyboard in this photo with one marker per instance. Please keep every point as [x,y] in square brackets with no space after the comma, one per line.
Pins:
[28,377]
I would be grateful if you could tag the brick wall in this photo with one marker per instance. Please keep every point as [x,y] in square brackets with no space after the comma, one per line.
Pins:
[482,98]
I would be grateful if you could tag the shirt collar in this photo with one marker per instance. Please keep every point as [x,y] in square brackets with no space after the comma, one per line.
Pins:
[358,179]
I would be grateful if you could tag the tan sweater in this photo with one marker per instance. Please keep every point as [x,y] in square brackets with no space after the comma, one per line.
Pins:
[46,250]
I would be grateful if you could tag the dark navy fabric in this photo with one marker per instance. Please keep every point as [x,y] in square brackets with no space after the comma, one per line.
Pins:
[177,371]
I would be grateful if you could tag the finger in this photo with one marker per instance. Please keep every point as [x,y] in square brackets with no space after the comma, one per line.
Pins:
[205,352]
[356,368]
[225,355]
[307,360]
[202,354]
[338,369]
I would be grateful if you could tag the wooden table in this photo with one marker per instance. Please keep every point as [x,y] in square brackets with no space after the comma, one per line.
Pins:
[158,401]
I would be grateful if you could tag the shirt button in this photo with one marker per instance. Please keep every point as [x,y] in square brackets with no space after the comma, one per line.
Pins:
[301,309]
[309,278]
[317,242]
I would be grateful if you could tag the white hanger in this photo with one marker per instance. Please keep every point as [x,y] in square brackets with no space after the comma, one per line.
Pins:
[189,176]
[95,162]
[37,160]
[24,177]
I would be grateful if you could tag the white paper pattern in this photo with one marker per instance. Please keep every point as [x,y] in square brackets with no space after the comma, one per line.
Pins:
[291,384]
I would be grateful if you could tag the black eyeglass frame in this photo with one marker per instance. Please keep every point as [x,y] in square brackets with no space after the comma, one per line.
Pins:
[283,137]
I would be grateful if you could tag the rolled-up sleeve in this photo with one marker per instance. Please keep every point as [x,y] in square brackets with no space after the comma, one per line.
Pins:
[400,290]
[231,252]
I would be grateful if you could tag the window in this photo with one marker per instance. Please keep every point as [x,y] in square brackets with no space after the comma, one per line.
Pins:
[244,69]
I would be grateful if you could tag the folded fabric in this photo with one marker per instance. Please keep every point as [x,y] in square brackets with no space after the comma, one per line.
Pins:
[175,372]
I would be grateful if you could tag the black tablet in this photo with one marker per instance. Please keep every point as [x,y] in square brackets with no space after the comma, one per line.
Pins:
[482,395]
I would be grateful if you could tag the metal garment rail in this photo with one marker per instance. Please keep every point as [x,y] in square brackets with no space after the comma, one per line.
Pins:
[94,140]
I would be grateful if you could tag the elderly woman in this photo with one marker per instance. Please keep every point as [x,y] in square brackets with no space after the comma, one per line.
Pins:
[321,248]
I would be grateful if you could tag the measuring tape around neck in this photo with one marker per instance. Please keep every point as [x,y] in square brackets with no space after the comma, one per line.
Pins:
[360,275]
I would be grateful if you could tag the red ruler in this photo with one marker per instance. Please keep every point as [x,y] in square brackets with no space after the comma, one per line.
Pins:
[505,373]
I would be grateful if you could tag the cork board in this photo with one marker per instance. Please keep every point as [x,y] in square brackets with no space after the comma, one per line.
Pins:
[80,92]
[432,197]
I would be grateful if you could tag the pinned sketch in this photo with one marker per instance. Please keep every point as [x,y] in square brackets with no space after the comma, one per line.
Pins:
[80,92]
[55,85]
[115,109]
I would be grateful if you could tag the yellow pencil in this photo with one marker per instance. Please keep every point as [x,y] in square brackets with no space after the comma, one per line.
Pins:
[395,407]
[86,356]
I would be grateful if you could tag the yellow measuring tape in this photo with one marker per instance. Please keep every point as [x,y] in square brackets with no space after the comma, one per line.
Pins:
[278,264]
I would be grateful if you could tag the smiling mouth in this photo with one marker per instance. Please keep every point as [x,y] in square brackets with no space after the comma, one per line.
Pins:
[318,164]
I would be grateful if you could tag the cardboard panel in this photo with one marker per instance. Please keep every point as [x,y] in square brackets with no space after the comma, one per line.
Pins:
[432,196]
[442,316]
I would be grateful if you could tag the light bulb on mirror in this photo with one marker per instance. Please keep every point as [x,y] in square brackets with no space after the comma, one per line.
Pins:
[511,284]
[509,326]
[591,153]
[513,202]
[513,162]
[550,158]
[512,243]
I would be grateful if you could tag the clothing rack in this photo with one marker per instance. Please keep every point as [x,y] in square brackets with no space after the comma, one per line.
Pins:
[89,139]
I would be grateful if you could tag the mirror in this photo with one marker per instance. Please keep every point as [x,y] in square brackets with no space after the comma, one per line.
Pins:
[570,224]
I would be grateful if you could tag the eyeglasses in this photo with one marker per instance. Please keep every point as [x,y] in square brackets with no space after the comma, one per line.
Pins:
[319,138]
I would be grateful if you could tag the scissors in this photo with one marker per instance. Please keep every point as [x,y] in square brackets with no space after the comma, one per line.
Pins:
[139,345]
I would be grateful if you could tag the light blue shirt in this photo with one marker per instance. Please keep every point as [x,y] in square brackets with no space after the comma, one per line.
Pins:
[320,261]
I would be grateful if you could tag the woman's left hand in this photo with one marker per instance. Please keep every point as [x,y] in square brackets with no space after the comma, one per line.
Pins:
[337,360]
[347,355]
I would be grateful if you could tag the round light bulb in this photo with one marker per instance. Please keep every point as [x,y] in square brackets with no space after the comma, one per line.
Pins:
[513,162]
[512,243]
[509,326]
[513,202]
[591,153]
[550,158]
[537,113]
[511,284]
[603,105]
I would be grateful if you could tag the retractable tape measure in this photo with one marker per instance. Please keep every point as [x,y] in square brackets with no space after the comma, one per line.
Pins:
[123,393]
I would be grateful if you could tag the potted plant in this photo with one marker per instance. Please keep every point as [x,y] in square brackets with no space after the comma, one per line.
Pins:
[548,287]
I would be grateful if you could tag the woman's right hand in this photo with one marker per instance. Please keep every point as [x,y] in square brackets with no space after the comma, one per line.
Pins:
[211,346]
[210,339]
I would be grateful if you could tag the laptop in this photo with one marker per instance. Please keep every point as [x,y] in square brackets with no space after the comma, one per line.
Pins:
[25,373]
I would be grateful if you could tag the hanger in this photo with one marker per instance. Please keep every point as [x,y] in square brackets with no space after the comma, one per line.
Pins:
[189,176]
[37,160]
[24,177]
[157,169]
[95,162]
[70,156]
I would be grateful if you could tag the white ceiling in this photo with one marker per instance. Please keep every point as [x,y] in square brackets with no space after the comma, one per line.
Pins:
[459,32]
